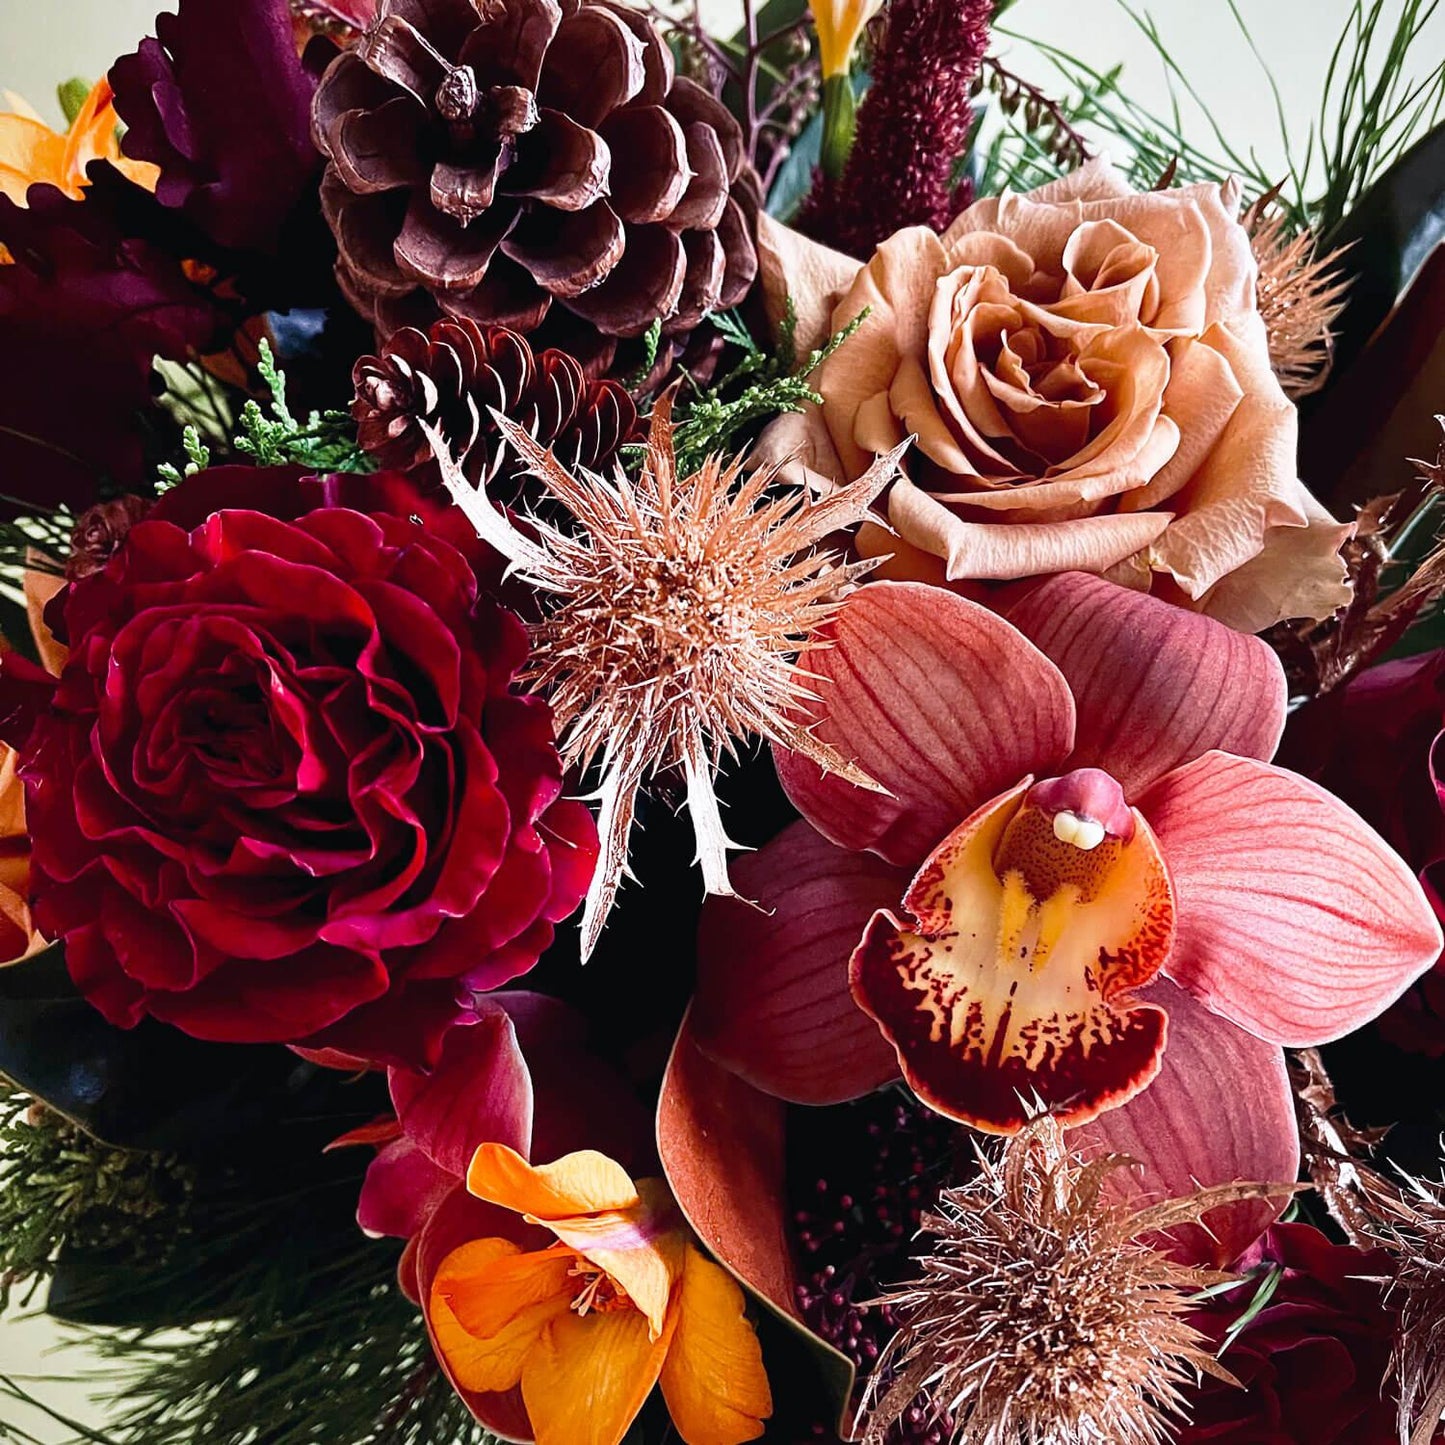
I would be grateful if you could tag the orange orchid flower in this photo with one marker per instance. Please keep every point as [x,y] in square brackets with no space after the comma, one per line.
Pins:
[618,1300]
[32,154]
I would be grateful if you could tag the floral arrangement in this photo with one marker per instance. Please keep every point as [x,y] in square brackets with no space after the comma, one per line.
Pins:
[710,738]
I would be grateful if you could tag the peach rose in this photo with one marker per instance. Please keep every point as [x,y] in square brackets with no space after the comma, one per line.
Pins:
[1088,378]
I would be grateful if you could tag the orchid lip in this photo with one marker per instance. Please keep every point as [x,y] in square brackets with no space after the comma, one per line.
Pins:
[1011,979]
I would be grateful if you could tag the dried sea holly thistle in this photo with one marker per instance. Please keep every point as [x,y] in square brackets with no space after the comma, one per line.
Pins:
[1040,1317]
[1403,1215]
[1300,297]
[675,607]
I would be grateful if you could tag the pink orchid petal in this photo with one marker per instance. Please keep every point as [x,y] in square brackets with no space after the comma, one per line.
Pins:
[1219,1112]
[479,1092]
[1155,686]
[936,699]
[401,1190]
[772,998]
[1296,920]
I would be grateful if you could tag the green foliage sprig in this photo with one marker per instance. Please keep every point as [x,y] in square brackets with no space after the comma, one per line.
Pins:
[324,442]
[764,384]
[60,1187]
[1370,112]
[342,1360]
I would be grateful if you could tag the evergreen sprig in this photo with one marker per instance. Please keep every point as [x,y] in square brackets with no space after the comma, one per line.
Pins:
[60,1187]
[343,1360]
[762,385]
[324,442]
[1370,113]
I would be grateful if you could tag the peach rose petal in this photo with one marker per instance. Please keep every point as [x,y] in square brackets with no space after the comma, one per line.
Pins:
[1201,398]
[896,288]
[1250,598]
[812,276]
[1003,551]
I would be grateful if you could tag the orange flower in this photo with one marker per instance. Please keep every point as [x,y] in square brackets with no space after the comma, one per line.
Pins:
[32,154]
[619,1300]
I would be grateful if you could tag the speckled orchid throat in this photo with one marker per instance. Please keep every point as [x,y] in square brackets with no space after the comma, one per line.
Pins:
[1008,981]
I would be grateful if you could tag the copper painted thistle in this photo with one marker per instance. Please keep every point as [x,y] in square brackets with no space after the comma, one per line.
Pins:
[675,610]
[1039,1317]
[594,1296]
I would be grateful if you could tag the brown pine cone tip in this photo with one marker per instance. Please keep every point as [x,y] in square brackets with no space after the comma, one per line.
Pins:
[503,155]
[454,374]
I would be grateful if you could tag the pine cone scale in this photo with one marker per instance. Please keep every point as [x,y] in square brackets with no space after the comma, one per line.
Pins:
[451,258]
[705,199]
[595,65]
[657,176]
[451,378]
[644,285]
[518,157]
[568,253]
[562,163]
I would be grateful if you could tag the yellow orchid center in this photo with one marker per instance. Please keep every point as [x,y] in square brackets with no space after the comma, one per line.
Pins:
[1009,985]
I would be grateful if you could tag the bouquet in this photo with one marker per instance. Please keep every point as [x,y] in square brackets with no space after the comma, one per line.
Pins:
[712,737]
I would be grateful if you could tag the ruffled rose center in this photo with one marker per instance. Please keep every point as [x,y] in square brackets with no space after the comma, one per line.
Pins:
[1008,984]
[1035,373]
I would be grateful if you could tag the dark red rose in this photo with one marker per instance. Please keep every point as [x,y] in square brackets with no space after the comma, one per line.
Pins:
[1378,744]
[1313,1361]
[284,789]
[219,100]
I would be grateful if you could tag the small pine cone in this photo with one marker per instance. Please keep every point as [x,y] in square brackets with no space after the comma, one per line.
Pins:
[497,160]
[456,373]
[98,534]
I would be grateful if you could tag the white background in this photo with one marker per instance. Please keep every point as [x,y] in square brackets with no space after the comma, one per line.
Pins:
[43,42]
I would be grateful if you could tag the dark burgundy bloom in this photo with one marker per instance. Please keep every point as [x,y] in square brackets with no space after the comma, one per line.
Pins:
[1313,1361]
[220,101]
[1378,743]
[283,789]
[913,129]
[84,311]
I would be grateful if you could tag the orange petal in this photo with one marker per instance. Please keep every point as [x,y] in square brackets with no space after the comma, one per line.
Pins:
[641,1249]
[589,1377]
[582,1183]
[489,1306]
[1012,983]
[713,1380]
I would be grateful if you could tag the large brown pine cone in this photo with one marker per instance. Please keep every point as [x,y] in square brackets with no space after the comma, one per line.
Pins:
[454,374]
[500,156]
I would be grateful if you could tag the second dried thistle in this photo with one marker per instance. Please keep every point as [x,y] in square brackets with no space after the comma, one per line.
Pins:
[1039,1316]
[674,608]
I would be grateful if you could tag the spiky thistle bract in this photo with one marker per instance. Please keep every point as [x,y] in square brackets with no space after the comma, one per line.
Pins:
[674,608]
[1040,1316]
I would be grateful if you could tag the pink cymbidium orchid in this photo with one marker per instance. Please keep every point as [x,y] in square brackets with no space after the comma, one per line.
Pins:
[1087,889]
